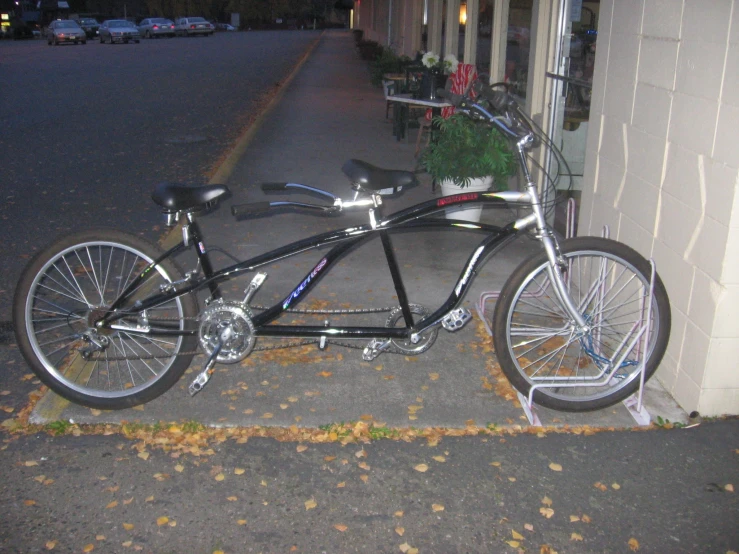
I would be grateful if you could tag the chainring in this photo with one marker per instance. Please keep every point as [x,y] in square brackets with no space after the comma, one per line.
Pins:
[231,322]
[405,346]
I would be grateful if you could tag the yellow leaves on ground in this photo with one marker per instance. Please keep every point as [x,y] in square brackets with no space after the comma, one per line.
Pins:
[30,463]
[50,545]
[29,502]
[162,476]
[220,477]
[600,486]
[437,507]
[149,498]
[633,544]
[555,467]
[423,468]
[364,465]
[88,548]
[232,498]
[440,459]
[143,455]
[341,485]
[310,504]
[364,478]
[516,535]
[729,487]
[400,530]
[574,519]
[128,526]
[241,522]
[163,520]
[433,376]
[399,513]
[112,504]
[340,527]
[239,471]
[615,486]
[301,448]
[406,548]
[324,373]
[575,537]
[546,510]
[179,468]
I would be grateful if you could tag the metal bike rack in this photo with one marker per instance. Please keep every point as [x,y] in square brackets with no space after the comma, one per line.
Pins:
[640,336]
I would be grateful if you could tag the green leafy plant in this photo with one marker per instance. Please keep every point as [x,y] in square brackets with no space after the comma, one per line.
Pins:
[387,62]
[59,427]
[464,149]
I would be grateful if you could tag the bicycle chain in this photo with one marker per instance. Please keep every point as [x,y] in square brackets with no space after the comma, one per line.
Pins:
[294,344]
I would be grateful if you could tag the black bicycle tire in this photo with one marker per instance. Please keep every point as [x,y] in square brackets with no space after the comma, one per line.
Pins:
[165,380]
[513,287]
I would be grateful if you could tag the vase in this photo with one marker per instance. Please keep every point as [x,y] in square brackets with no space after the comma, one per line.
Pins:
[430,81]
[466,213]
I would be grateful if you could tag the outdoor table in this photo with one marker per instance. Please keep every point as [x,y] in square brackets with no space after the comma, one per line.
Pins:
[408,100]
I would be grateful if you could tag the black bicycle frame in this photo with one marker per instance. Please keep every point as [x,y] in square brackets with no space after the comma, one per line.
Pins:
[411,218]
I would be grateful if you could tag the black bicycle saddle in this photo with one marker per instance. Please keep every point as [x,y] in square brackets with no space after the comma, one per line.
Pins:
[375,178]
[179,198]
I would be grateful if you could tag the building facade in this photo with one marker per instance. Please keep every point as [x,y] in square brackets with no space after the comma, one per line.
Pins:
[642,96]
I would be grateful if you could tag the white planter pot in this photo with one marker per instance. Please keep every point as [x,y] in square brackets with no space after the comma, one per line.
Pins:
[478,184]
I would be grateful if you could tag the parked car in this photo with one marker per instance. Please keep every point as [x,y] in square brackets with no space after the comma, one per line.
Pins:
[118,30]
[90,26]
[224,27]
[156,27]
[65,30]
[186,26]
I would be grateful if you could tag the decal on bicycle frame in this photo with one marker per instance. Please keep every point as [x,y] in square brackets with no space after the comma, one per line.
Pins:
[298,291]
[446,200]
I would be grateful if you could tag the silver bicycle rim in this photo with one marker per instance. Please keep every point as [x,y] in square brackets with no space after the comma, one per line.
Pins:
[544,343]
[79,279]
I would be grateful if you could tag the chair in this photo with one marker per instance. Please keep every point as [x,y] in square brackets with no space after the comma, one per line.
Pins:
[389,88]
[460,82]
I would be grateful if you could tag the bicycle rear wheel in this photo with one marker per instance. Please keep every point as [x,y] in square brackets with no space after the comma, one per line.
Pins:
[537,342]
[62,292]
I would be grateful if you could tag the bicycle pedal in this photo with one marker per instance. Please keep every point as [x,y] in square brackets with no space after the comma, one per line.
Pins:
[199,382]
[456,319]
[374,349]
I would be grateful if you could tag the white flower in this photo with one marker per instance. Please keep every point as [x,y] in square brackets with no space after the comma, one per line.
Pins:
[430,59]
[450,63]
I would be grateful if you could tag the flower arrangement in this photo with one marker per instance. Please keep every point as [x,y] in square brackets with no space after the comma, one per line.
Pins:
[434,62]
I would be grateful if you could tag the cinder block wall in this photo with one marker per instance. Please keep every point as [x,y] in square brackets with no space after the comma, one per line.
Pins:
[662,171]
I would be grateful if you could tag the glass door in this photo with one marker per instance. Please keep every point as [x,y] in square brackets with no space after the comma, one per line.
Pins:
[571,88]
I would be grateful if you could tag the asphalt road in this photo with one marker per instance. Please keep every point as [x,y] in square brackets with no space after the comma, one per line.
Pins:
[87,131]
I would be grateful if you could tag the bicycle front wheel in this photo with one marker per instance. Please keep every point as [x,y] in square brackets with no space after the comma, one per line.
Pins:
[71,284]
[537,342]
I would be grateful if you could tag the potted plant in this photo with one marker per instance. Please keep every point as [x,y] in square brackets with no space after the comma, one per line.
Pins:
[437,71]
[467,156]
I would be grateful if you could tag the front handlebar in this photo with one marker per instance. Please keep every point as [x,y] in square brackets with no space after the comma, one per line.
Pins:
[503,112]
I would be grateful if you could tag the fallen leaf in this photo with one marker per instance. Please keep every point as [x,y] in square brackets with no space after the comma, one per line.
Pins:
[615,486]
[232,499]
[88,548]
[600,486]
[400,531]
[127,543]
[50,545]
[341,485]
[555,467]
[495,464]
[546,512]
[423,468]
[433,376]
[128,526]
[575,537]
[361,453]
[633,544]
[512,479]
[364,465]
[528,527]
[149,498]
[437,507]
[440,459]
[30,463]
[163,520]
[99,537]
[220,477]
[143,455]
[173,523]
[585,518]
[364,478]
[239,471]
[516,535]
[514,544]
[263,483]
[112,504]
[241,521]
[329,458]
[546,501]
[399,513]
[573,519]
[301,448]
[324,374]
[179,468]
[310,504]
[340,527]
[128,501]
[729,487]
[267,416]
[29,502]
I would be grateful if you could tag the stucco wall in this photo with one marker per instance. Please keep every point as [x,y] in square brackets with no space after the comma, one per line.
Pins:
[662,171]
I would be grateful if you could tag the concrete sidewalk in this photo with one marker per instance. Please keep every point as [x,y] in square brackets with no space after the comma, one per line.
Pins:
[330,113]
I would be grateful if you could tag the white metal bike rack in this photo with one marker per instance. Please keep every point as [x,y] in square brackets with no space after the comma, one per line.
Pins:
[638,340]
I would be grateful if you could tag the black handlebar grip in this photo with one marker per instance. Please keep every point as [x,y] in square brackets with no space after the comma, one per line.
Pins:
[249,209]
[266,187]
